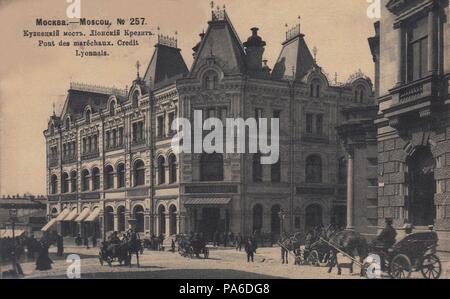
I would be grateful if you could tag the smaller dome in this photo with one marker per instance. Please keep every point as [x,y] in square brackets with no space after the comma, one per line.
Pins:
[254,40]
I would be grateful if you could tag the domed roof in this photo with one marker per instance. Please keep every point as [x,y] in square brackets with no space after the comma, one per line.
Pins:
[254,40]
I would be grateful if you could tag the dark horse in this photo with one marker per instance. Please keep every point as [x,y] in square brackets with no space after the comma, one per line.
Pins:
[349,242]
[134,247]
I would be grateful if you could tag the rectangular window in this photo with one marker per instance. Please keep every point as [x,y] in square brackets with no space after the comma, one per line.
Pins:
[171,119]
[417,50]
[309,123]
[120,136]
[161,126]
[108,139]
[319,124]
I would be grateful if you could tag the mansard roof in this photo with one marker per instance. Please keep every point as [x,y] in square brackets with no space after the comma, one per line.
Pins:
[166,64]
[295,59]
[80,96]
[221,42]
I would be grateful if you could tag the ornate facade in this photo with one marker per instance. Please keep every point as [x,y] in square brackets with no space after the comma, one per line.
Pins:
[110,161]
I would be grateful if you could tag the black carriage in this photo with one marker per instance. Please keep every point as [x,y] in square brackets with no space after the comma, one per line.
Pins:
[110,252]
[317,254]
[188,247]
[415,253]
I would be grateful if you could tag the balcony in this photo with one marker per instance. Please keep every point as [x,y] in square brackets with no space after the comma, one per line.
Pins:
[413,101]
[69,159]
[90,155]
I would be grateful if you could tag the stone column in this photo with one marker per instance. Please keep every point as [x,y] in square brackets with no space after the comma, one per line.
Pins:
[432,55]
[116,222]
[167,223]
[401,55]
[350,224]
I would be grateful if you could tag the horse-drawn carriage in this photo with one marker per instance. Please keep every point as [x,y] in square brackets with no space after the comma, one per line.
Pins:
[317,254]
[110,252]
[190,247]
[415,253]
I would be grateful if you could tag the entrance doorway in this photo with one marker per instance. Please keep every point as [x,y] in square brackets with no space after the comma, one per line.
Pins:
[210,222]
[421,187]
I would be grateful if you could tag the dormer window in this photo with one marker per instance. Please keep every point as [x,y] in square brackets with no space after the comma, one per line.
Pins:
[315,89]
[135,99]
[88,116]
[67,123]
[112,108]
[210,80]
[360,94]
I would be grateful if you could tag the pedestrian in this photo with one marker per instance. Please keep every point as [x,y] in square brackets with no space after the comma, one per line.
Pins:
[225,239]
[59,245]
[43,262]
[239,241]
[250,250]
[94,241]
[86,241]
[78,240]
[173,245]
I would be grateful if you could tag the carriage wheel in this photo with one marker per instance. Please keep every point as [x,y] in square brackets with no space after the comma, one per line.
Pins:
[323,259]
[400,267]
[313,258]
[431,267]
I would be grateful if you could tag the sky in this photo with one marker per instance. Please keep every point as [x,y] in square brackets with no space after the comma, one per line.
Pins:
[32,78]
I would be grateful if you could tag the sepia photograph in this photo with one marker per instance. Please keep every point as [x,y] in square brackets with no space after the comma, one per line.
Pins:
[244,140]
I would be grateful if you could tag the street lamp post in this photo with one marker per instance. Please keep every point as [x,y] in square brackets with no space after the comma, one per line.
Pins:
[13,218]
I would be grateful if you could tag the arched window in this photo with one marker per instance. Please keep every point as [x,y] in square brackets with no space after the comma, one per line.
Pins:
[73,181]
[162,219]
[135,99]
[85,180]
[139,173]
[109,177]
[112,108]
[161,170]
[121,175]
[313,170]
[88,116]
[138,214]
[121,218]
[172,169]
[360,94]
[211,167]
[65,183]
[210,80]
[54,184]
[257,168]
[257,217]
[275,172]
[173,220]
[95,178]
[109,219]
[275,223]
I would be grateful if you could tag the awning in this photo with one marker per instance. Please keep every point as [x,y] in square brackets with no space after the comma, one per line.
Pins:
[93,216]
[49,225]
[83,215]
[207,201]
[72,215]
[8,233]
[62,215]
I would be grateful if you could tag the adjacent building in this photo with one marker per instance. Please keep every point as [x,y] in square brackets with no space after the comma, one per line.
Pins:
[412,50]
[110,163]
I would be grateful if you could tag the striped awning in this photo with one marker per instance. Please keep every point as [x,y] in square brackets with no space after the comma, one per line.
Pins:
[83,215]
[49,225]
[72,215]
[93,216]
[8,233]
[62,215]
[207,201]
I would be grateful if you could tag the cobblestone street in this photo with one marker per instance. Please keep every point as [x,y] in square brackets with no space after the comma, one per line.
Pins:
[223,263]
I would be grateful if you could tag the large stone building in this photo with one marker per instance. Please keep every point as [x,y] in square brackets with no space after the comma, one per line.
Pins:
[110,162]
[412,50]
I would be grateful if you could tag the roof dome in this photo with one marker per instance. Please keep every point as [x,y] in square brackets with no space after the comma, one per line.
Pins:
[254,40]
